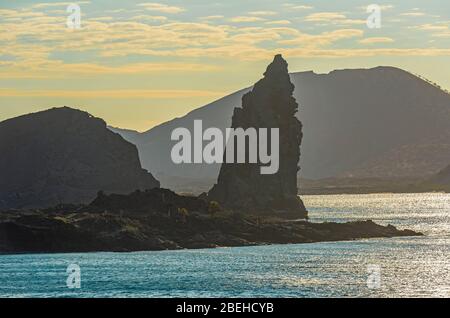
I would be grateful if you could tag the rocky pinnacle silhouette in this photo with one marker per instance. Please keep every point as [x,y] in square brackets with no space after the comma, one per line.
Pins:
[241,186]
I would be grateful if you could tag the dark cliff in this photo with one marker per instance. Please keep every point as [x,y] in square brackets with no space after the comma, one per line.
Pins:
[269,105]
[64,155]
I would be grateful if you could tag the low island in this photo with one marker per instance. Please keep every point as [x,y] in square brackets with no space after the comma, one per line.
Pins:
[159,219]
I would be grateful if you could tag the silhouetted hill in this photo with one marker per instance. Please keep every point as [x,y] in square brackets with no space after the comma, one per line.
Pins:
[64,155]
[366,123]
[443,177]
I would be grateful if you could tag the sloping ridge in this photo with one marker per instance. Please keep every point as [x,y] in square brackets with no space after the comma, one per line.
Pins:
[63,155]
[443,177]
[379,122]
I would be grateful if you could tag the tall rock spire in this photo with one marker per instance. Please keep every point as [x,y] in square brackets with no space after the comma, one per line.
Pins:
[242,186]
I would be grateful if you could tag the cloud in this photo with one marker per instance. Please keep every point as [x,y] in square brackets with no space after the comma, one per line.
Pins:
[322,39]
[152,18]
[413,14]
[16,14]
[102,19]
[279,22]
[345,53]
[432,27]
[445,34]
[383,7]
[58,69]
[297,7]
[386,7]
[324,16]
[375,40]
[438,30]
[351,22]
[159,7]
[246,19]
[263,13]
[57,4]
[335,18]
[115,94]
[212,17]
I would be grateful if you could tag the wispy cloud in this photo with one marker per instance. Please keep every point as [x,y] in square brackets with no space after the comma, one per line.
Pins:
[278,22]
[386,7]
[297,7]
[323,39]
[324,16]
[339,53]
[263,13]
[57,69]
[160,7]
[336,18]
[375,40]
[246,19]
[57,4]
[445,34]
[437,30]
[383,7]
[116,93]
[433,27]
[152,18]
[412,14]
[212,17]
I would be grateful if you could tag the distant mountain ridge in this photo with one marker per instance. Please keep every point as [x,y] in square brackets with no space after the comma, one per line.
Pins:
[443,177]
[63,155]
[379,122]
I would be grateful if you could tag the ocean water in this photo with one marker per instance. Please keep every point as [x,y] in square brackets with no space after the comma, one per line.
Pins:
[398,267]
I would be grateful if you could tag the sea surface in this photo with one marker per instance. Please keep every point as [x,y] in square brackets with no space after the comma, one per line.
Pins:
[397,267]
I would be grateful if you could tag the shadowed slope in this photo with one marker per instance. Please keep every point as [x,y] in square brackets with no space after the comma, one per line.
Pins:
[64,155]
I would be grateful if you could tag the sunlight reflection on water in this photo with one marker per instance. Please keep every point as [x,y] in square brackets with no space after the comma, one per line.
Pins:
[410,266]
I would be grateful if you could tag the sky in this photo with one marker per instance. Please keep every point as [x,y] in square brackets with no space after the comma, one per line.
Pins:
[137,64]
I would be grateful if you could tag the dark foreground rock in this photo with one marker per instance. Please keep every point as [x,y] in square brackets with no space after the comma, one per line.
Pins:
[64,155]
[159,220]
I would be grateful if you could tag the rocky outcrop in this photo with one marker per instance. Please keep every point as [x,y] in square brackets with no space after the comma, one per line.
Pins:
[147,202]
[242,186]
[64,155]
[159,219]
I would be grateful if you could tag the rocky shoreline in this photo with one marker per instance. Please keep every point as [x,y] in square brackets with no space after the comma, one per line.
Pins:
[120,223]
